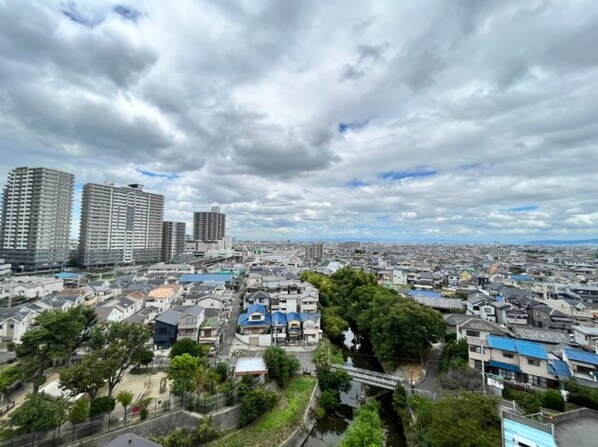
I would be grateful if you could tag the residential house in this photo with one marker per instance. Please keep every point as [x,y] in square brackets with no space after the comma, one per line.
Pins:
[586,337]
[514,360]
[547,317]
[583,366]
[256,320]
[164,297]
[14,322]
[574,308]
[176,323]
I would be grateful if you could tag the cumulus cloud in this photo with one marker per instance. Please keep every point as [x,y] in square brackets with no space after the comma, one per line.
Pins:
[471,121]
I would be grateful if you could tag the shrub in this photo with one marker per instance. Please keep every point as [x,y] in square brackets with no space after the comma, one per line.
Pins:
[583,400]
[553,400]
[255,403]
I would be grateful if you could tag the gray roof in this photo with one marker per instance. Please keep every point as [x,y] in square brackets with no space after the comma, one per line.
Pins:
[131,440]
[456,319]
[541,335]
[482,325]
[439,303]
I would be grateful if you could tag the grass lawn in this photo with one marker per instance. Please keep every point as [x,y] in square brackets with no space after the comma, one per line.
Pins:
[278,424]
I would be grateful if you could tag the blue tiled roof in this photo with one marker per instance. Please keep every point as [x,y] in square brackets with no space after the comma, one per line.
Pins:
[559,368]
[503,365]
[526,348]
[521,278]
[245,321]
[502,343]
[256,308]
[207,277]
[279,319]
[425,293]
[293,316]
[582,356]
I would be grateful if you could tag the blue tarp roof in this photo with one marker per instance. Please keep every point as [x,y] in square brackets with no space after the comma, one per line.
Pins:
[582,356]
[69,275]
[426,293]
[506,366]
[526,348]
[559,368]
[207,277]
[521,278]
[500,299]
[294,316]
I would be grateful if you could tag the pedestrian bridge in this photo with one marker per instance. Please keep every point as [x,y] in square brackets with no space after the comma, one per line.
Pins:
[368,377]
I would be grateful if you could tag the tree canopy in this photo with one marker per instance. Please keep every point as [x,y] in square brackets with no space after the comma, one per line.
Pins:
[55,336]
[183,371]
[281,366]
[39,412]
[366,428]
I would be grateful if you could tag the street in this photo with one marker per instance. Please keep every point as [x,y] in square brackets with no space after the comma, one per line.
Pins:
[229,334]
[431,381]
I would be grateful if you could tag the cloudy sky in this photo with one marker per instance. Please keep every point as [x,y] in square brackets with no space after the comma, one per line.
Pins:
[460,120]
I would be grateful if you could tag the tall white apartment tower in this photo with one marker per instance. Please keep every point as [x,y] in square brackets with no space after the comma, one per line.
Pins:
[209,226]
[36,218]
[120,225]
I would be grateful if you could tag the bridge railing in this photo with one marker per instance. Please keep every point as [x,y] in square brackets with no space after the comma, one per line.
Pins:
[367,372]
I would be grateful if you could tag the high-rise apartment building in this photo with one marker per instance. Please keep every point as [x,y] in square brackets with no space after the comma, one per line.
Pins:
[314,252]
[209,226]
[36,218]
[173,240]
[120,225]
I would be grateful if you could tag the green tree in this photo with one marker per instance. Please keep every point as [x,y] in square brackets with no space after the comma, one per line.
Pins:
[87,377]
[8,377]
[142,357]
[55,336]
[465,420]
[331,382]
[118,344]
[406,330]
[182,371]
[255,403]
[79,412]
[187,346]
[366,428]
[245,385]
[399,398]
[223,371]
[281,366]
[39,412]
[101,405]
[125,398]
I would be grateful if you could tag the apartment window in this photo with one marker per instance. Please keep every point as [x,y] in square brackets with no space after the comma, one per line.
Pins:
[537,381]
[474,348]
[507,374]
[507,355]
[533,362]
[477,364]
[472,333]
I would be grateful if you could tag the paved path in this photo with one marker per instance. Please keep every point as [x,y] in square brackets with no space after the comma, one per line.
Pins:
[431,381]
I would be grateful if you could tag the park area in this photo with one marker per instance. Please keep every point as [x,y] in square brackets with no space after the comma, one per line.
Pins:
[280,422]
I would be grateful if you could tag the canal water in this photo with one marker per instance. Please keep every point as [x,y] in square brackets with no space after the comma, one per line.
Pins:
[329,429]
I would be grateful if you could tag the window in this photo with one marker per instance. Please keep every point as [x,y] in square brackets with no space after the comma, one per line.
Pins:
[474,348]
[472,333]
[507,374]
[12,326]
[477,364]
[507,355]
[533,362]
[537,381]
[256,317]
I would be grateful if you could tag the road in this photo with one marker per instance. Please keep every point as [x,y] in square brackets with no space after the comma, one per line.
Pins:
[229,335]
[431,380]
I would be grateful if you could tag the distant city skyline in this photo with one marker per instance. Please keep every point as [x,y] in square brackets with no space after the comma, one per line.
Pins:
[394,121]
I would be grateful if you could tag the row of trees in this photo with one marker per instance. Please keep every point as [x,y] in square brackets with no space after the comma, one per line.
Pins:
[398,328]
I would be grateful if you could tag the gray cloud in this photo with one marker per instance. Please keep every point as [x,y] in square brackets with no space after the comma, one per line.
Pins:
[244,101]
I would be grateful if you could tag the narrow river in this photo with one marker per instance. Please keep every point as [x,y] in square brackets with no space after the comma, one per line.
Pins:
[329,429]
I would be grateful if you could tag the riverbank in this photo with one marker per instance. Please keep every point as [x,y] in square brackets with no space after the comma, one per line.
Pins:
[279,424]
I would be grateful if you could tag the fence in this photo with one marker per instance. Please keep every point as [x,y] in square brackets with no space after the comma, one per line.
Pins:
[68,433]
